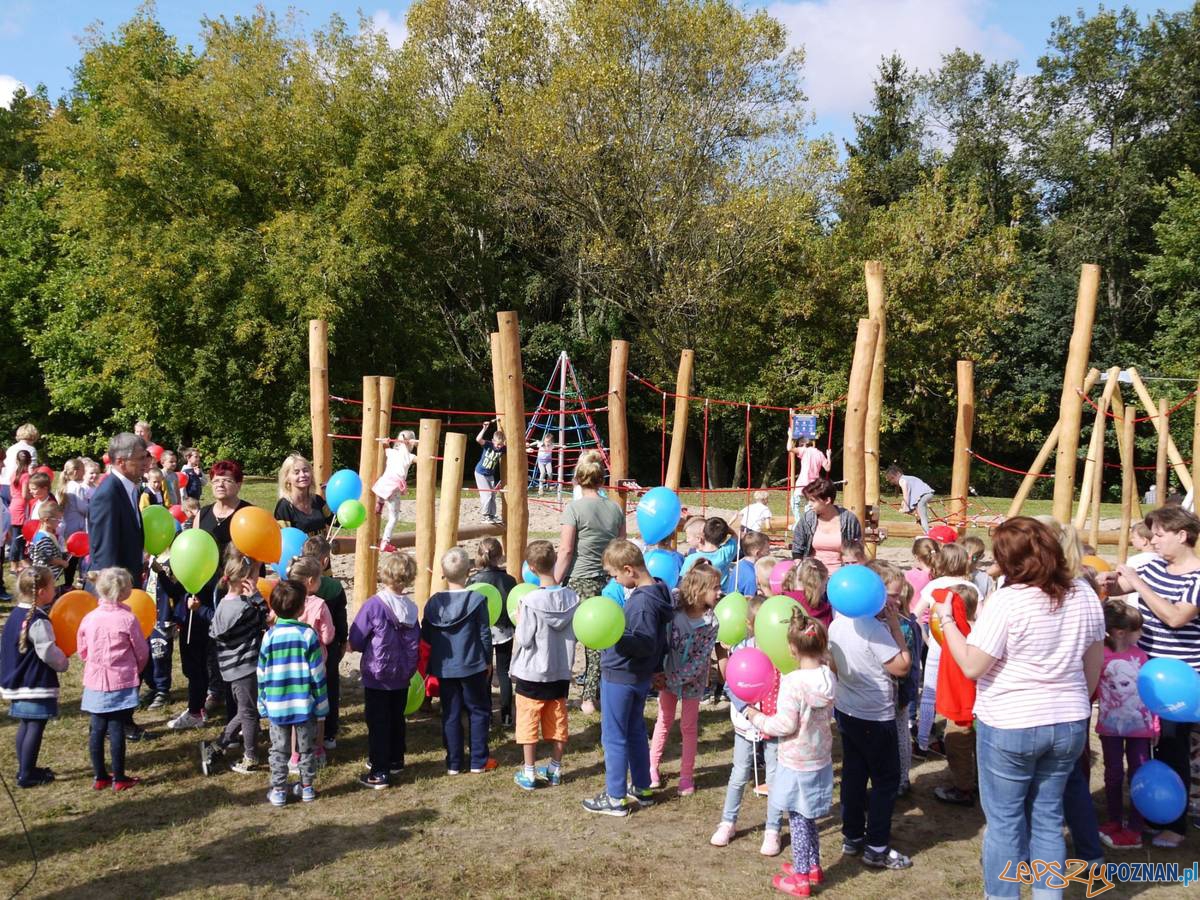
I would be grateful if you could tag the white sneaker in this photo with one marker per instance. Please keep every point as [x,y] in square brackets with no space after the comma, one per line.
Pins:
[330,744]
[723,835]
[770,844]
[187,720]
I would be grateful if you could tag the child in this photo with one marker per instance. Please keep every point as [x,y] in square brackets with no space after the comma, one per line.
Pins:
[810,463]
[1126,728]
[44,549]
[1139,539]
[805,583]
[749,745]
[924,552]
[153,491]
[803,782]
[166,592]
[334,594]
[908,689]
[460,649]
[693,534]
[915,494]
[39,492]
[489,559]
[762,577]
[291,691]
[18,508]
[854,553]
[979,577]
[488,471]
[951,566]
[190,506]
[30,661]
[625,672]
[545,462]
[755,517]
[73,497]
[956,702]
[385,632]
[718,545]
[541,668]
[690,641]
[308,571]
[390,487]
[113,651]
[237,630]
[755,546]
[169,464]
[195,475]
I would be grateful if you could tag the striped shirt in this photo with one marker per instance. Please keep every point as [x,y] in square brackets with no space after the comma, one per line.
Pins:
[291,675]
[1038,676]
[1158,638]
[44,548]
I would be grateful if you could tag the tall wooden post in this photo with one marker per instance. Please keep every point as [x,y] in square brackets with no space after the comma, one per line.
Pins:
[516,463]
[427,450]
[387,388]
[964,428]
[854,492]
[1097,486]
[365,557]
[1195,444]
[318,401]
[618,434]
[1128,483]
[1160,464]
[1118,408]
[1070,408]
[877,312]
[501,418]
[1173,454]
[683,387]
[1095,447]
[453,459]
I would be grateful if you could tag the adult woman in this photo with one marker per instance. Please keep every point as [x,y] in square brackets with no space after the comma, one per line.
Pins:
[1036,652]
[1168,592]
[824,527]
[300,506]
[589,524]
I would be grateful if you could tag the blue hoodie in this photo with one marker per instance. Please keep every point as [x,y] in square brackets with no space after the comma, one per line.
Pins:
[457,631]
[640,651]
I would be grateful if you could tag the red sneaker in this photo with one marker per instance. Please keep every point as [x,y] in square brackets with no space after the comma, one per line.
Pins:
[124,784]
[101,784]
[816,875]
[489,766]
[1110,828]
[1123,839]
[387,547]
[794,885]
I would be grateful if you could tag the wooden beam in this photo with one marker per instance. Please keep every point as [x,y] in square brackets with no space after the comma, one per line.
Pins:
[876,312]
[318,401]
[501,419]
[854,492]
[516,463]
[1163,424]
[618,432]
[1095,447]
[365,557]
[964,428]
[387,390]
[1118,408]
[1195,443]
[427,451]
[1128,482]
[1173,454]
[683,387]
[453,460]
[1070,407]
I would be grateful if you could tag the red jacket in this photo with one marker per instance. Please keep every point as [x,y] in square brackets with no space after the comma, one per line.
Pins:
[955,691]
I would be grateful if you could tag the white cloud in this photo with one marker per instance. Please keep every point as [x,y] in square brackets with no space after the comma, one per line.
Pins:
[393,27]
[8,87]
[844,40]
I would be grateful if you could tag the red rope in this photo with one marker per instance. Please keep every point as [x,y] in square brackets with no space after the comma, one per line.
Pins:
[1147,418]
[1108,465]
[996,465]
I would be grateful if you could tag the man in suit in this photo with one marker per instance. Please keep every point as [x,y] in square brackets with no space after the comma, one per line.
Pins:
[114,519]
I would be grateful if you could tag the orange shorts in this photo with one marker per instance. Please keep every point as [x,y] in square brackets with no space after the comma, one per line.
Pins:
[550,714]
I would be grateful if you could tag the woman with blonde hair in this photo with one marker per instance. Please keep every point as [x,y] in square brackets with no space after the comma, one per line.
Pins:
[300,506]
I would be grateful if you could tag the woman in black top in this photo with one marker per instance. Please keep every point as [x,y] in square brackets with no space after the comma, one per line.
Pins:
[299,505]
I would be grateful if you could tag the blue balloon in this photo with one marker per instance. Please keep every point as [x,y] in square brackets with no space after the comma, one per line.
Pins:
[1157,792]
[614,591]
[343,485]
[528,577]
[665,565]
[658,514]
[1170,688]
[856,591]
[292,543]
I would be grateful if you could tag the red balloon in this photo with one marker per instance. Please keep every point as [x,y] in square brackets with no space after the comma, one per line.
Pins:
[78,545]
[29,529]
[943,534]
[156,451]
[178,514]
[183,479]
[106,459]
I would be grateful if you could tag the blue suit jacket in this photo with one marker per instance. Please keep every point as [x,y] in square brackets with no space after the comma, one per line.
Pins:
[115,530]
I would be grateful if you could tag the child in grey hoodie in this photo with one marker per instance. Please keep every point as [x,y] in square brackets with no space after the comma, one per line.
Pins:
[541,667]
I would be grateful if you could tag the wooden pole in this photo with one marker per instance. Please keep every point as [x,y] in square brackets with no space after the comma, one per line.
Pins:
[1070,407]
[1097,485]
[1039,461]
[368,533]
[1173,454]
[854,492]
[791,475]
[516,515]
[501,418]
[618,432]
[1160,464]
[683,387]
[387,388]
[964,427]
[318,401]
[453,460]
[876,312]
[1195,444]
[1128,483]
[427,448]
[1118,408]
[1095,447]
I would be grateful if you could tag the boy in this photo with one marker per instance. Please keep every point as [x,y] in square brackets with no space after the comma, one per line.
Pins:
[755,517]
[334,594]
[755,546]
[625,672]
[762,576]
[170,464]
[44,549]
[915,494]
[693,534]
[544,646]
[291,691]
[39,490]
[718,544]
[166,592]
[194,472]
[459,636]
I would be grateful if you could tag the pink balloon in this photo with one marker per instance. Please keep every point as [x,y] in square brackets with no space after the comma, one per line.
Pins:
[779,572]
[749,674]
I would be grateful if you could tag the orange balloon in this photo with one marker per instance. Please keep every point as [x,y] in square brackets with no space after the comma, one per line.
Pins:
[935,628]
[66,614]
[256,534]
[143,606]
[265,585]
[1100,565]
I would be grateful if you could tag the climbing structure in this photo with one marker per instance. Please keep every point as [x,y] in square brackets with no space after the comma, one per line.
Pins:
[563,415]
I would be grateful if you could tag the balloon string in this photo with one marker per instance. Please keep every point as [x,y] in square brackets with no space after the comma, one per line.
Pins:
[189,634]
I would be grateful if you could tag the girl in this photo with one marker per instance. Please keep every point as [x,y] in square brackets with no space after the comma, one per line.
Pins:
[18,508]
[72,497]
[690,640]
[387,634]
[29,665]
[803,782]
[854,553]
[979,576]
[307,571]
[810,463]
[113,651]
[545,462]
[392,484]
[952,565]
[924,552]
[153,491]
[908,688]
[488,475]
[489,559]
[805,583]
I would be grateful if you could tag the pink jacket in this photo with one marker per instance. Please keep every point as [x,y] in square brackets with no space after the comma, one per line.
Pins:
[112,647]
[316,615]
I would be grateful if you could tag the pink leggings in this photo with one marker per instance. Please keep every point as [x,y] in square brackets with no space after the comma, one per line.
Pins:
[689,719]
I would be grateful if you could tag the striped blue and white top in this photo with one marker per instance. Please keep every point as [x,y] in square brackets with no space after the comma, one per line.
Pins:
[1158,639]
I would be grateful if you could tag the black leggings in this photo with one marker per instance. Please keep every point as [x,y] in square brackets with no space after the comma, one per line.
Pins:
[29,745]
[504,654]
[193,655]
[112,725]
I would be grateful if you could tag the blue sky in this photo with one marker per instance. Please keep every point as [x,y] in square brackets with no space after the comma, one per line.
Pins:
[843,39]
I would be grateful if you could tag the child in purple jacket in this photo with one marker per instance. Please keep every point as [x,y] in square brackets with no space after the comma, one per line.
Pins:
[385,631]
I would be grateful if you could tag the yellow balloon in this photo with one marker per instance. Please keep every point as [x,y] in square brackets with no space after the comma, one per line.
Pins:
[143,606]
[935,628]
[1100,565]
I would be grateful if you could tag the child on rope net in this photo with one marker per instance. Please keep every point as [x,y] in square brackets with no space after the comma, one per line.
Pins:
[393,483]
[915,494]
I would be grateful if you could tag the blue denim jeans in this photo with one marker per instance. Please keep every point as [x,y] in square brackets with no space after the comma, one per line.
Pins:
[473,695]
[1022,776]
[623,736]
[1079,812]
[743,774]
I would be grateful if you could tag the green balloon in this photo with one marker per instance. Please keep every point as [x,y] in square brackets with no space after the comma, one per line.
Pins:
[771,631]
[514,598]
[194,558]
[158,529]
[416,694]
[351,514]
[732,612]
[599,623]
[495,601]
